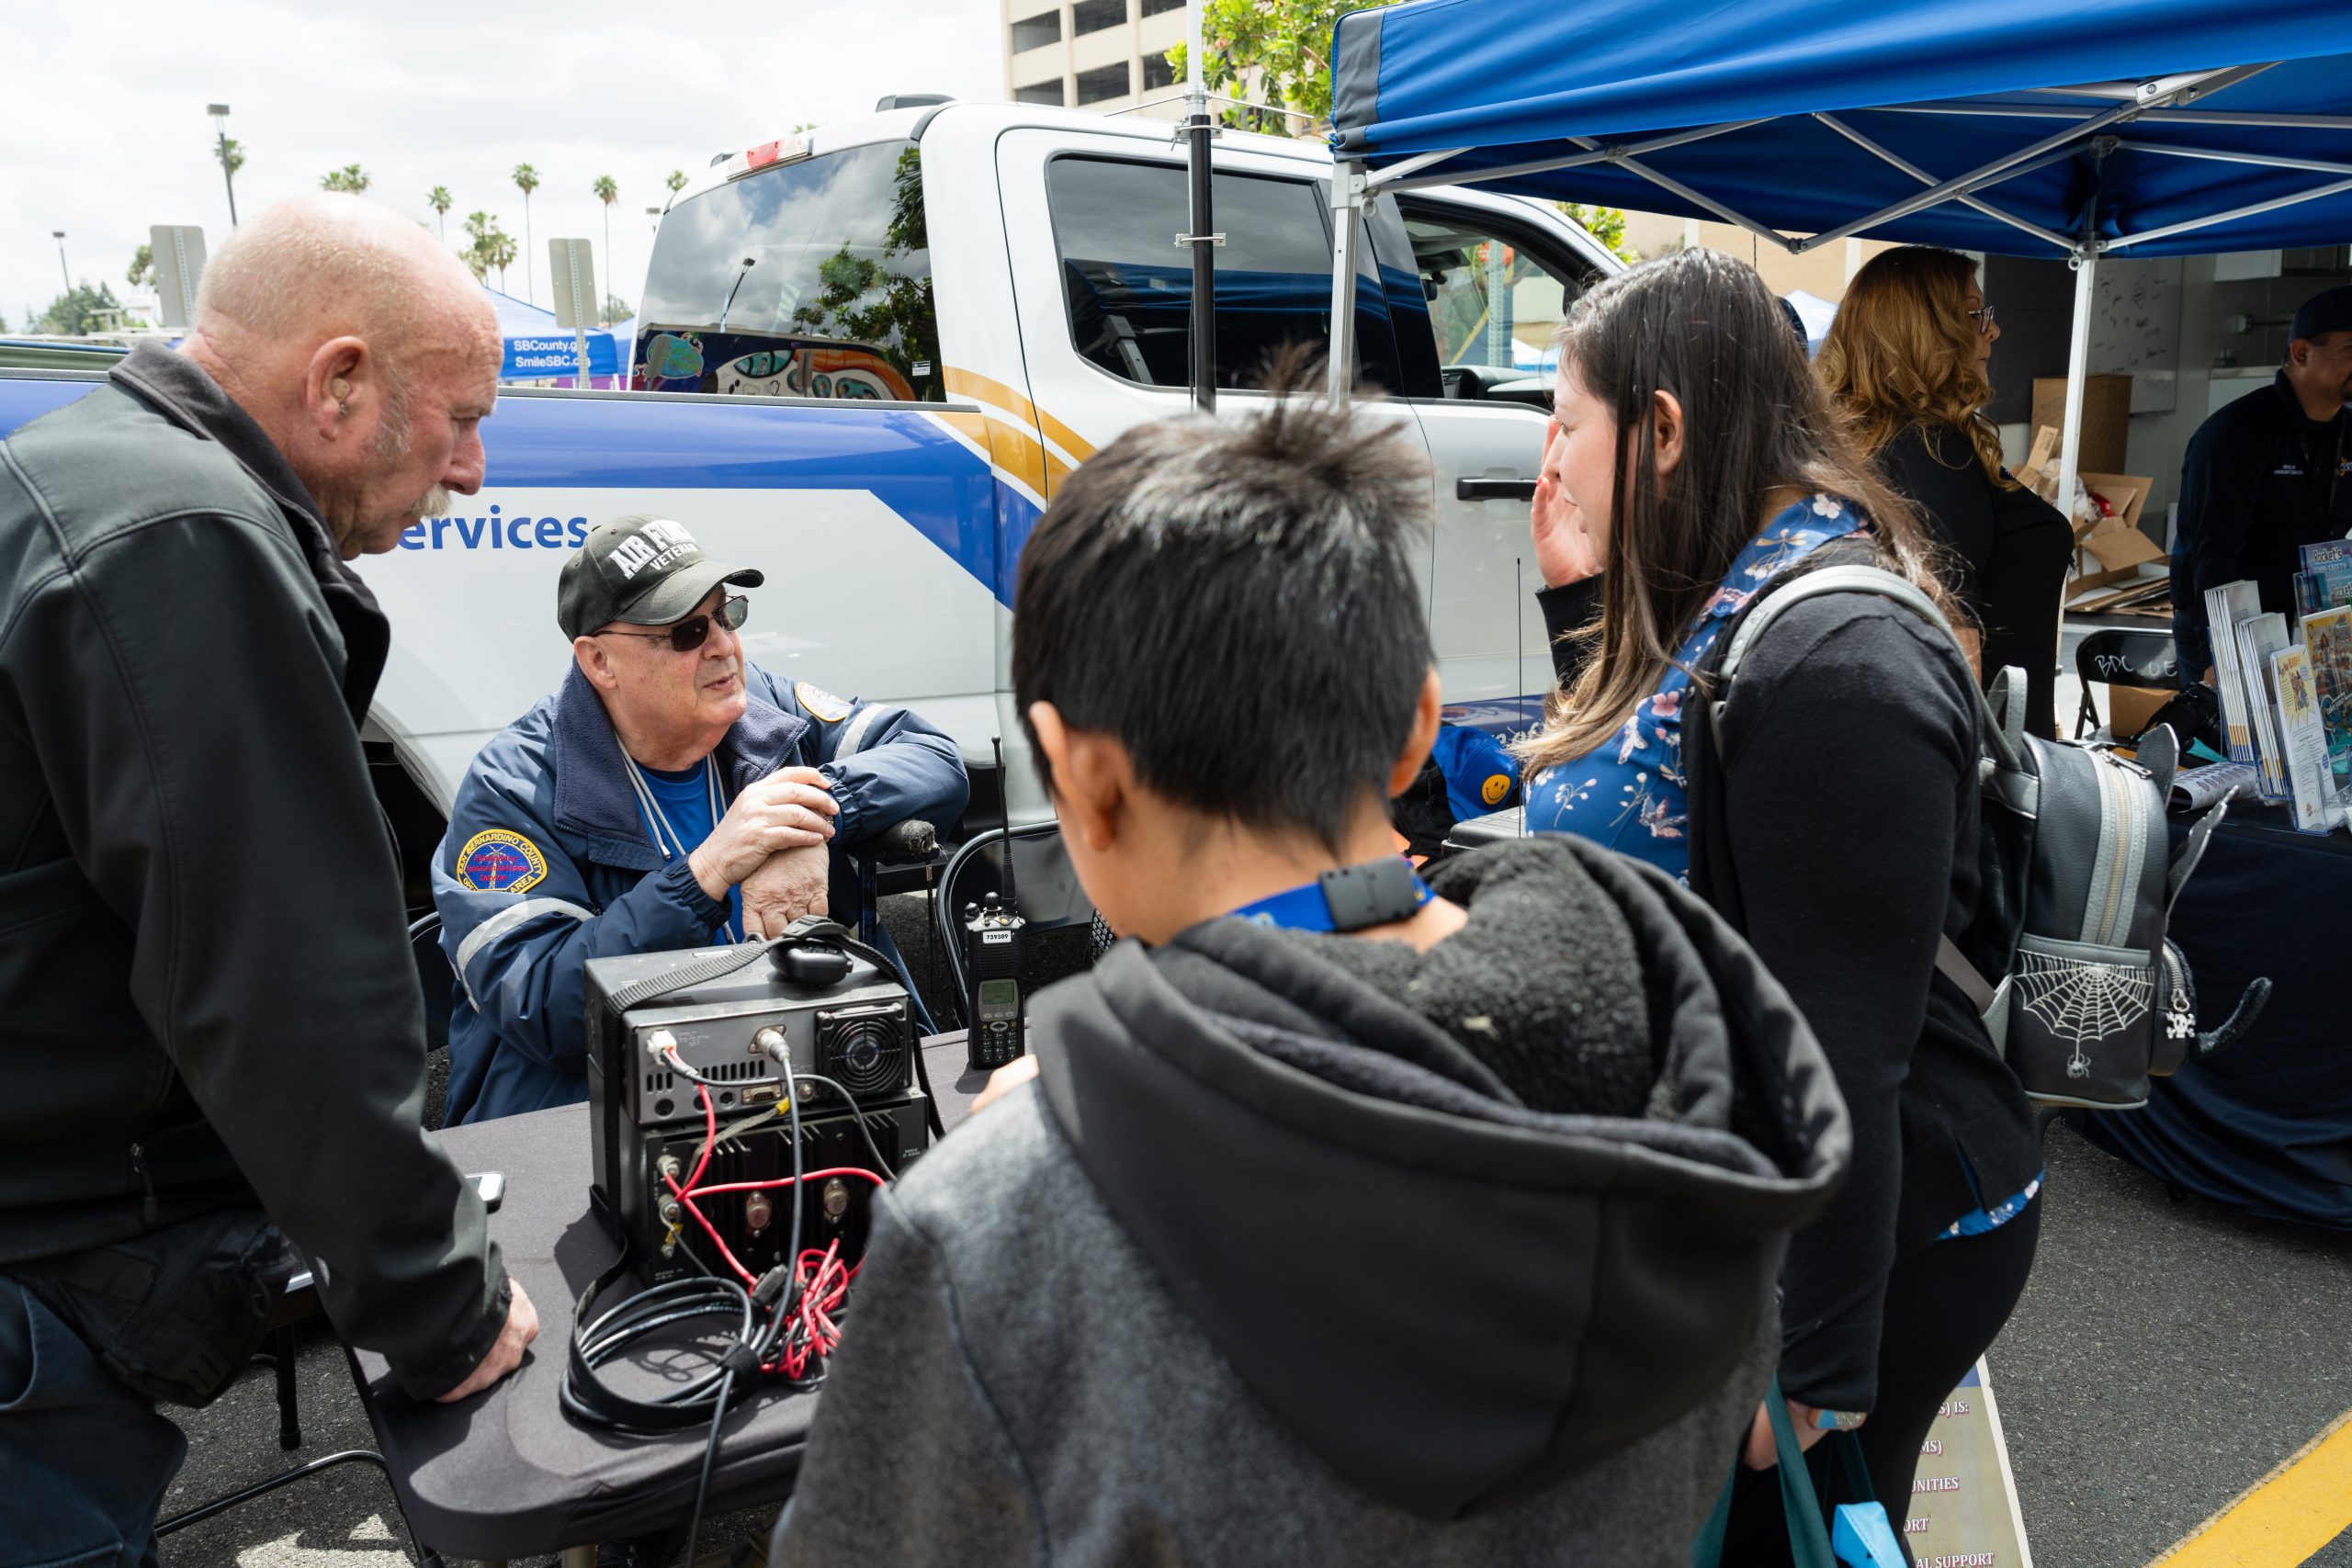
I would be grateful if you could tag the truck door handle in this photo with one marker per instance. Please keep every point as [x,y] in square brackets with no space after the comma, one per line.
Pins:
[1494,490]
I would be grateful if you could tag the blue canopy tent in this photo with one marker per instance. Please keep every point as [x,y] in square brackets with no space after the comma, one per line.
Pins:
[2126,128]
[538,349]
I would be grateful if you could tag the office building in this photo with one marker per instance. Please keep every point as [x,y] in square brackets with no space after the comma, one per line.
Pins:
[1104,55]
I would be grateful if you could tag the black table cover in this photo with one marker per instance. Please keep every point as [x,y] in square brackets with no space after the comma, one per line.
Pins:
[2266,1125]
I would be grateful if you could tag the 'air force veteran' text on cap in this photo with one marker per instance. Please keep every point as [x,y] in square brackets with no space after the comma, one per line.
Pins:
[645,571]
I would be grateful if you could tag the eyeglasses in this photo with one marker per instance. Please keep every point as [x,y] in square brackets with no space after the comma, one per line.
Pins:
[1982,317]
[693,631]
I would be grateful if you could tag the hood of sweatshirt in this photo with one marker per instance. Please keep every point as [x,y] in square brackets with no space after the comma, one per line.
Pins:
[1466,1221]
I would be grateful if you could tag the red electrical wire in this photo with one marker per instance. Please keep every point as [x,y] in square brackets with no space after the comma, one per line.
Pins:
[786,1180]
[823,1281]
[687,1200]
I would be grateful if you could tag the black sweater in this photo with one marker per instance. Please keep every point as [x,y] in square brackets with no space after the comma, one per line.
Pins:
[2009,553]
[1842,845]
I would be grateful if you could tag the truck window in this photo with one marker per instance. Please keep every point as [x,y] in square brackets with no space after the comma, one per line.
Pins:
[1129,285]
[809,279]
[1493,303]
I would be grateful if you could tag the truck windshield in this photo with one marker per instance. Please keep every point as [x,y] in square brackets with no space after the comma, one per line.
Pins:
[807,280]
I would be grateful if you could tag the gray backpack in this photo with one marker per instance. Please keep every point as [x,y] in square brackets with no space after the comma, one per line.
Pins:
[2067,959]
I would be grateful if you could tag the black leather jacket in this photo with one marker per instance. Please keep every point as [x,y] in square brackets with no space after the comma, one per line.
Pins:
[206,988]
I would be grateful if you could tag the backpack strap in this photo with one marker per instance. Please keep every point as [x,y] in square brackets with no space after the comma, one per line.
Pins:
[2004,712]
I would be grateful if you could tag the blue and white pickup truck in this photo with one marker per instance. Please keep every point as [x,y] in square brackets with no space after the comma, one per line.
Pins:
[866,357]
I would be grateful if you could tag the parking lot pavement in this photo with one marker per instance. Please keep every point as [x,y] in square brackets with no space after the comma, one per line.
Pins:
[2164,1358]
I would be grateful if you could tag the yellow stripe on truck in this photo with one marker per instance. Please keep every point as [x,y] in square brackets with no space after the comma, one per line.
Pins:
[996,394]
[1022,453]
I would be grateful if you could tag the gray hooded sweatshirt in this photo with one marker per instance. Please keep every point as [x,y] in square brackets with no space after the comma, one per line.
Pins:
[1292,1256]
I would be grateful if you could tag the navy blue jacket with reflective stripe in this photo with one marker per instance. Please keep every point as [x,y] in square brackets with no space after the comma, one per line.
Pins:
[580,877]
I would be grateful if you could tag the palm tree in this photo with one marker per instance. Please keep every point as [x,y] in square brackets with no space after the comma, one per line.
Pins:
[479,226]
[501,254]
[526,180]
[440,201]
[351,177]
[605,191]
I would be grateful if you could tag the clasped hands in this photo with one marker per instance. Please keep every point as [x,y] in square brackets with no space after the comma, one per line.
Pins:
[772,843]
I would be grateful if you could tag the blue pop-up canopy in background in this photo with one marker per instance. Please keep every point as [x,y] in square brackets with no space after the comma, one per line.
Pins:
[538,349]
[1948,89]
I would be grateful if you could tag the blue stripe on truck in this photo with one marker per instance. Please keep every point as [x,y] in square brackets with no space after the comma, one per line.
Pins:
[942,489]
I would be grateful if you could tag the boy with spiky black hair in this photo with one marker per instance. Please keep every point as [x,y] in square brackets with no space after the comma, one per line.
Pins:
[1348,1218]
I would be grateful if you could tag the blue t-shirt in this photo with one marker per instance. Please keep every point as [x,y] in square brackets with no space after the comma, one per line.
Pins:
[685,799]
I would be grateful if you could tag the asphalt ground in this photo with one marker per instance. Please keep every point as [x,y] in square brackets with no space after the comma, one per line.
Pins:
[2166,1356]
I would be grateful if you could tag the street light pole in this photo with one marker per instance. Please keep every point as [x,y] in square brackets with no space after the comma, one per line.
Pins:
[220,113]
[59,235]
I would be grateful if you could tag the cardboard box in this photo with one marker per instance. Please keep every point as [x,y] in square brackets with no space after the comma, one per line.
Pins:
[2110,549]
[2129,709]
[2107,416]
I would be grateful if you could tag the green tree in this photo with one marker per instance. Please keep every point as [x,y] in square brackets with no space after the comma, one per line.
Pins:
[231,153]
[883,303]
[351,177]
[4,324]
[1606,224]
[490,247]
[605,190]
[526,180]
[616,310]
[676,182]
[439,199]
[1271,53]
[142,267]
[76,310]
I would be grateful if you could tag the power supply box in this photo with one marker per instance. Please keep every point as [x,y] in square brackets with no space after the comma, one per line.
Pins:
[733,1033]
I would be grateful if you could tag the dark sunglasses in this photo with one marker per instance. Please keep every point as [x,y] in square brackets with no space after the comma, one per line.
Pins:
[687,635]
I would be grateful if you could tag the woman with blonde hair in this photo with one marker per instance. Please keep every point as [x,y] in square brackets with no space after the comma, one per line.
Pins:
[1826,808]
[1905,366]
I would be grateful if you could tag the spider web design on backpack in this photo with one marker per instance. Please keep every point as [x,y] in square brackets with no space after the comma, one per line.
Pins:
[2080,1001]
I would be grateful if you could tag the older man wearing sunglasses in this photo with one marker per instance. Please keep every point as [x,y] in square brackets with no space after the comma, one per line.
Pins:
[669,794]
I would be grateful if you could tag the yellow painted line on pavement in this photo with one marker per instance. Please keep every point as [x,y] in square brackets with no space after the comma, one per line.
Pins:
[2282,1519]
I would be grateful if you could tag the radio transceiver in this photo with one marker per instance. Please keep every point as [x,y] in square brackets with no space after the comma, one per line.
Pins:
[993,953]
[666,1036]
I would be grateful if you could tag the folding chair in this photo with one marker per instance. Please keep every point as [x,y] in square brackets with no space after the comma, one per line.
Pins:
[2117,656]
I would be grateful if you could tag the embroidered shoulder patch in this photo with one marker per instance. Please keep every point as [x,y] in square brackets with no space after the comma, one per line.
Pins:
[820,703]
[499,861]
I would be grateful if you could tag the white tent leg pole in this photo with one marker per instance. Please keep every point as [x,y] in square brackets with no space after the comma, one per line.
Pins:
[2078,353]
[1346,218]
[2070,437]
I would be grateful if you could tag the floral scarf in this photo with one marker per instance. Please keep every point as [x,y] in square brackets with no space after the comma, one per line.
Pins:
[1631,793]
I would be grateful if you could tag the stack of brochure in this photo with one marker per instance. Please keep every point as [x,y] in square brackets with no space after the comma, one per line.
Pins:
[2325,582]
[2287,695]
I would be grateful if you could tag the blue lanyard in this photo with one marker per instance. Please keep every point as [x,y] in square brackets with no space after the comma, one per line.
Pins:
[1304,907]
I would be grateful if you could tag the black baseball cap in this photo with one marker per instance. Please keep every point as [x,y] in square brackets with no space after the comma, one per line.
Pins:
[645,571]
[2329,310]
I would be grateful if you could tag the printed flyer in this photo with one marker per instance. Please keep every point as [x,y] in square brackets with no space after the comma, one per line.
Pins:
[1965,1509]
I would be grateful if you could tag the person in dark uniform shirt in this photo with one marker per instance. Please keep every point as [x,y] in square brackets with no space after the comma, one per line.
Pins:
[2264,475]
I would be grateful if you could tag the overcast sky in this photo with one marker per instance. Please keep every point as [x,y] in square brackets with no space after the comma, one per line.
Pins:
[104,130]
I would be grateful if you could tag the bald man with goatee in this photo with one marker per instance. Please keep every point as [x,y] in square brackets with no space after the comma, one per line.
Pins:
[211,1027]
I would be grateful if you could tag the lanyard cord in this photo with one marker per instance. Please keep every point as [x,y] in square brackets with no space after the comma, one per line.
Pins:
[660,822]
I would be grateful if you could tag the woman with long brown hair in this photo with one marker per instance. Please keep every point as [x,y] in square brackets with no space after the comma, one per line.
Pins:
[1904,364]
[1829,811]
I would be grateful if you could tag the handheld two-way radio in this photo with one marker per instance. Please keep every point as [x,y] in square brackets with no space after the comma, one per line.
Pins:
[994,1001]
